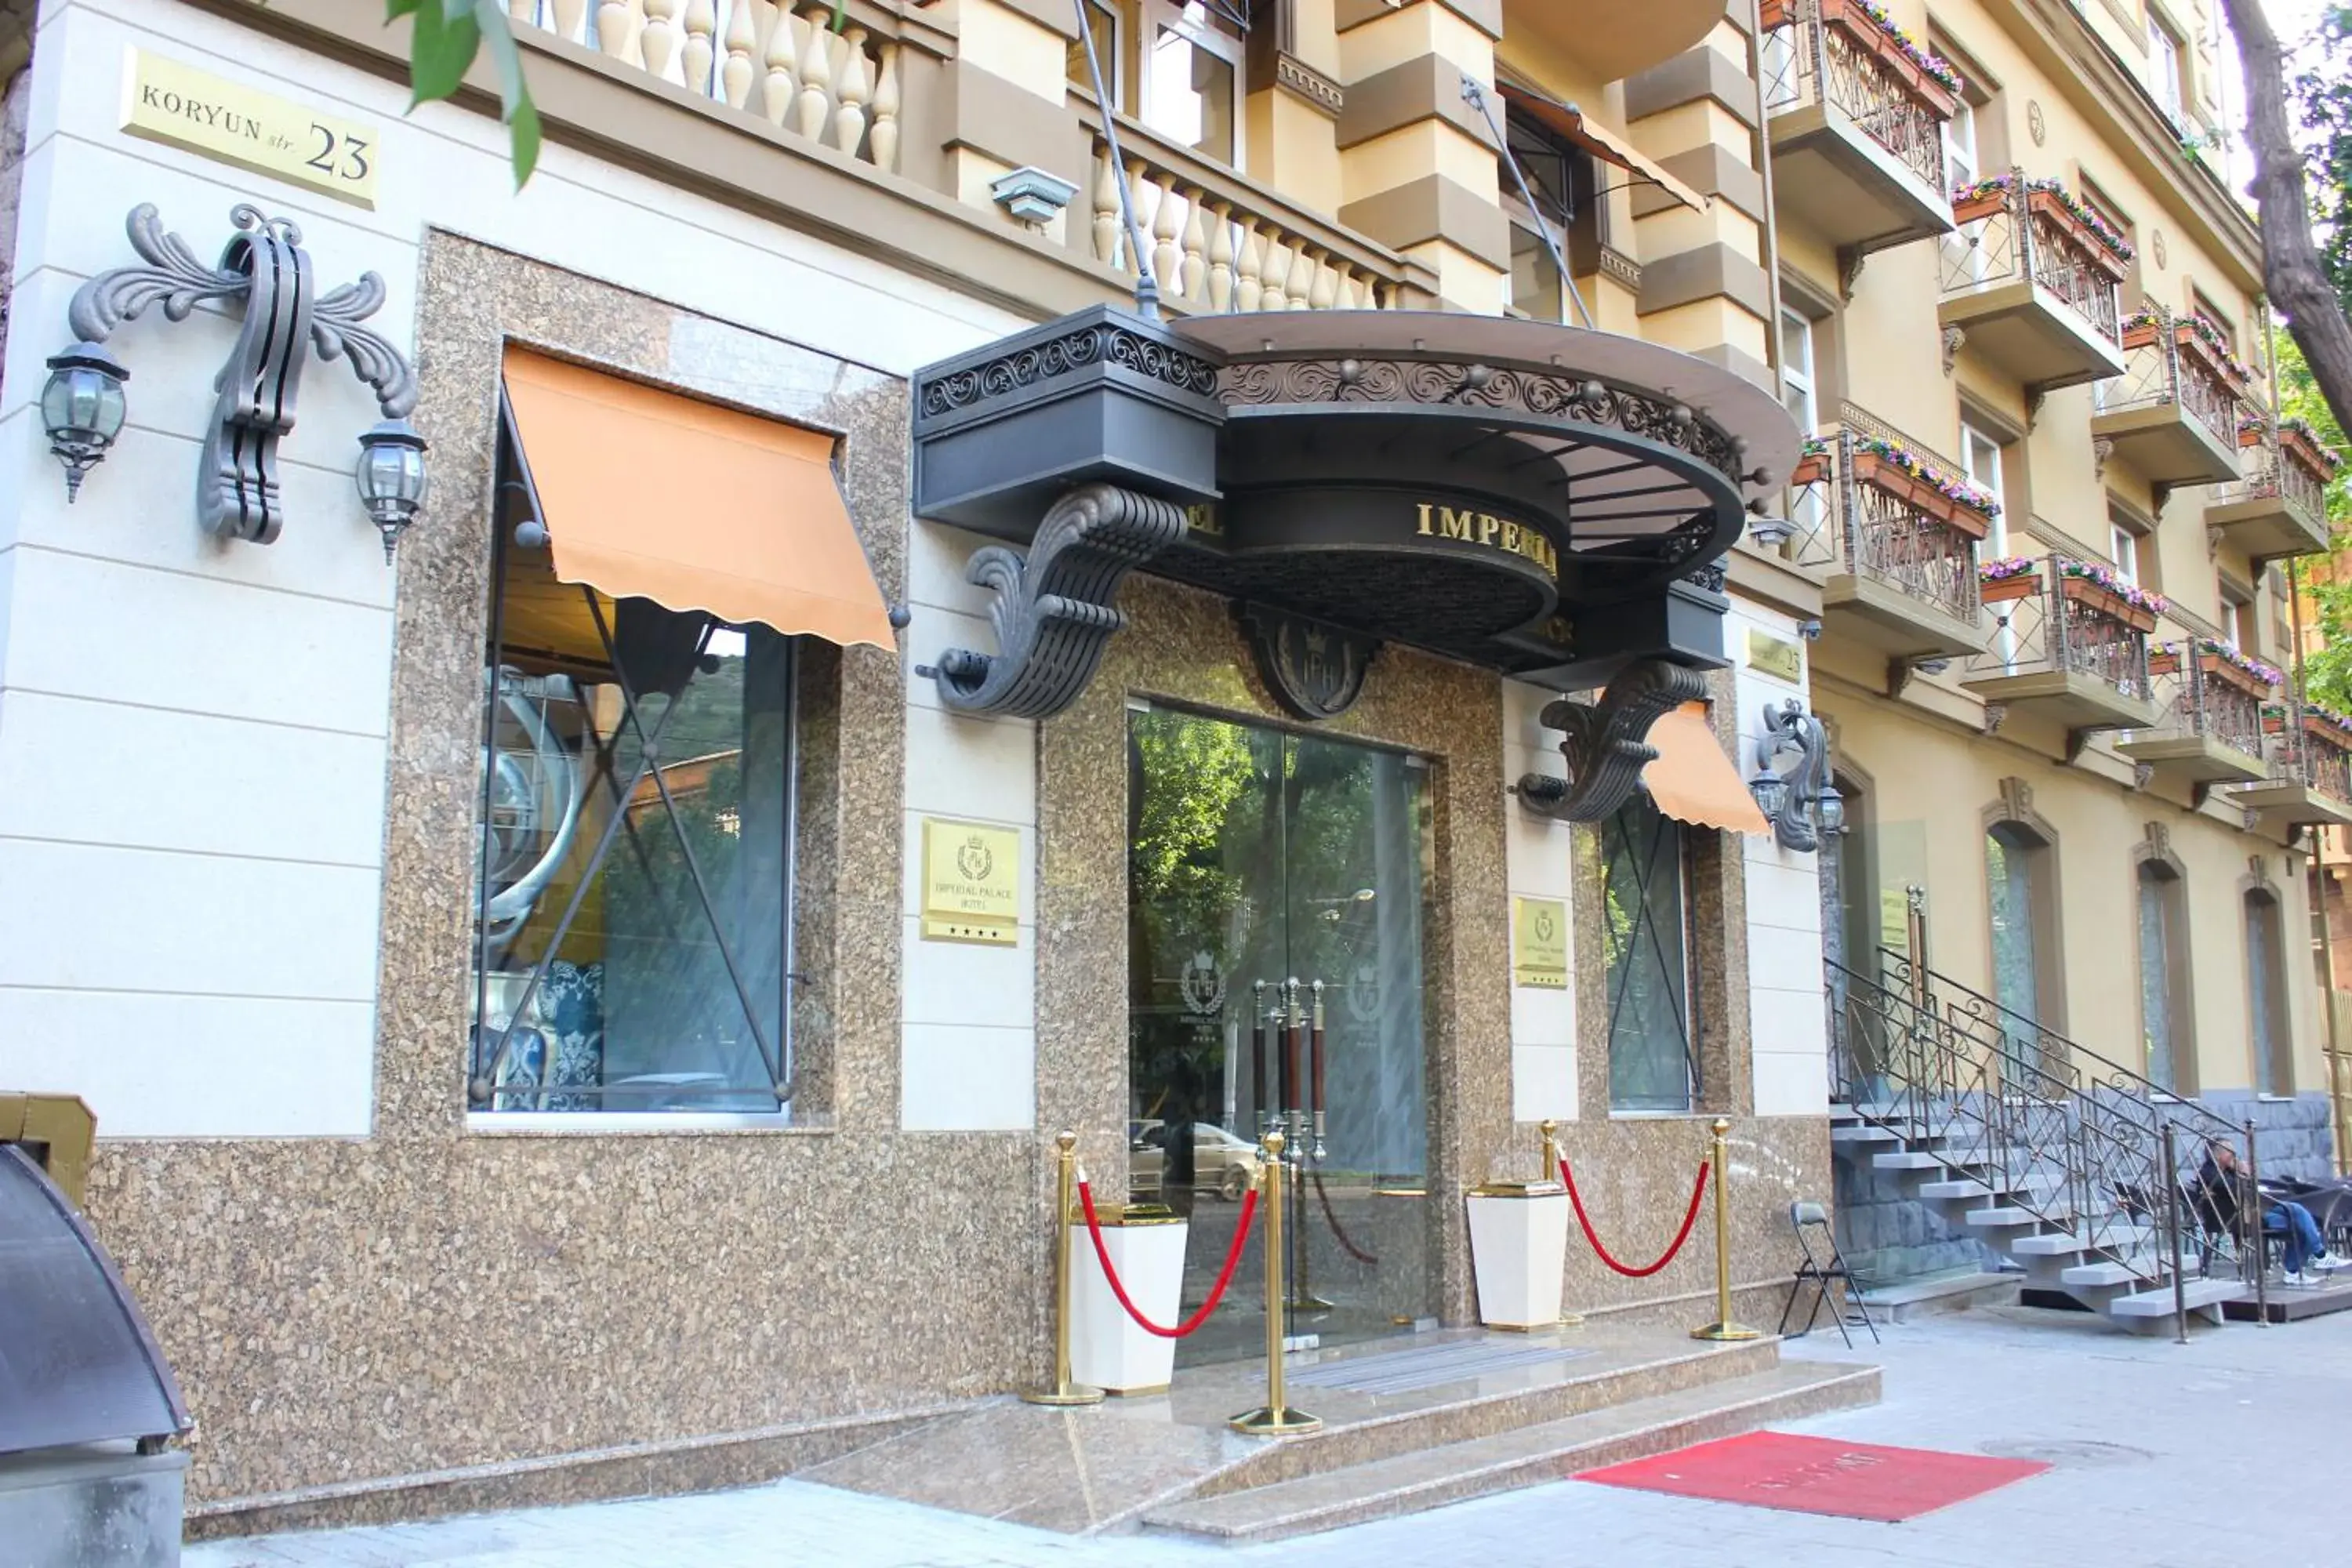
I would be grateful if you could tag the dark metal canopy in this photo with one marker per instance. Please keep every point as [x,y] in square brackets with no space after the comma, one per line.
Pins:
[76,1361]
[1541,499]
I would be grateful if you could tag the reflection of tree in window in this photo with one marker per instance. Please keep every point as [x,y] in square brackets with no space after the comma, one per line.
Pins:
[1644,942]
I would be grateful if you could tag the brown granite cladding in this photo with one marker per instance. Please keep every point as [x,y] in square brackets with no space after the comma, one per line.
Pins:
[428,1298]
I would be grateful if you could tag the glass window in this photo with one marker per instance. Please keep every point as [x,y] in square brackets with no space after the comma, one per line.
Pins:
[2017,868]
[1190,81]
[1646,907]
[1535,281]
[1561,181]
[2164,70]
[1980,454]
[1106,23]
[1797,371]
[2123,545]
[637,819]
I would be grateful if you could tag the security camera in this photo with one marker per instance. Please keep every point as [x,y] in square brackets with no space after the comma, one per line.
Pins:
[1809,630]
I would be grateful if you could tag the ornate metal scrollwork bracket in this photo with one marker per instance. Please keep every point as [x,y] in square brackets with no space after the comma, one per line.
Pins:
[1053,611]
[1605,746]
[1790,729]
[264,267]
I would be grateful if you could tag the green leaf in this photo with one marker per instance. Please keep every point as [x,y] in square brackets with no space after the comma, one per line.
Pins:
[394,10]
[438,55]
[515,105]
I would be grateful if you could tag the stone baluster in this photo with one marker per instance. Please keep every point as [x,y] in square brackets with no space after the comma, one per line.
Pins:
[1343,288]
[742,38]
[701,33]
[1324,294]
[616,30]
[523,13]
[661,39]
[1250,291]
[1302,279]
[1106,201]
[1279,261]
[883,140]
[856,87]
[816,75]
[1167,261]
[567,19]
[1221,256]
[1196,244]
[782,88]
[1144,196]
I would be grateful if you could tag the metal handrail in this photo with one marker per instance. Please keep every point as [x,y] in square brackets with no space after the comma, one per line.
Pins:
[2049,629]
[2197,702]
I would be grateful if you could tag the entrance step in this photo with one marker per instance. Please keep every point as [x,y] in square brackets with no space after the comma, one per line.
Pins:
[1950,1293]
[1529,1455]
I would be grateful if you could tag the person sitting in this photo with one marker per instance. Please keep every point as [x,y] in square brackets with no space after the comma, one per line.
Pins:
[2215,1194]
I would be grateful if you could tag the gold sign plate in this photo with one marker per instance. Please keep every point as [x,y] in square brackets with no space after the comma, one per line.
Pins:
[972,882]
[1775,656]
[1539,943]
[164,100]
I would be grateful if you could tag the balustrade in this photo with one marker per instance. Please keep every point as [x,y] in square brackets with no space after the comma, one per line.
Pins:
[2014,229]
[1871,514]
[843,89]
[1836,54]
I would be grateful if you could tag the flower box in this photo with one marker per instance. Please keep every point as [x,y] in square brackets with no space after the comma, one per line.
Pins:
[2251,435]
[2186,335]
[2001,590]
[2100,601]
[1985,205]
[1811,470]
[2140,335]
[1921,495]
[2316,458]
[2048,205]
[1850,19]
[2165,661]
[2327,731]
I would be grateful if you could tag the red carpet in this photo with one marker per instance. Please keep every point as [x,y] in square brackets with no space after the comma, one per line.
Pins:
[1819,1475]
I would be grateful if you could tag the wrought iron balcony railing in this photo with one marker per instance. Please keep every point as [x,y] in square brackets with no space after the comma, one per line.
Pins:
[2166,361]
[1867,515]
[2282,467]
[2306,746]
[2204,696]
[1832,52]
[2026,231]
[2054,617]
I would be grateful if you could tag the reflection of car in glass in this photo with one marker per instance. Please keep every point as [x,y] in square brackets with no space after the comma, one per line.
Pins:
[1222,1164]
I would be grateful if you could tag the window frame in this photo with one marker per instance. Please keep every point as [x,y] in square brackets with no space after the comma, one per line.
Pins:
[1674,842]
[1152,17]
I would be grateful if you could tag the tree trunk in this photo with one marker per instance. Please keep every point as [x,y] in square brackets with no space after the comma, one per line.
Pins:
[2297,285]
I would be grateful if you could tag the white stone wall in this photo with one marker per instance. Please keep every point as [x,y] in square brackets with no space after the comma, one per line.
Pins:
[193,734]
[1537,865]
[969,1061]
[1789,1025]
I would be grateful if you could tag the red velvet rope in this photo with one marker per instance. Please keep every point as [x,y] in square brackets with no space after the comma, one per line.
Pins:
[1217,1294]
[1668,1257]
[1332,1219]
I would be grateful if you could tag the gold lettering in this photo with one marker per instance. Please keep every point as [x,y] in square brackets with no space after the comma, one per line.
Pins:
[1424,517]
[1489,525]
[1455,524]
[1511,538]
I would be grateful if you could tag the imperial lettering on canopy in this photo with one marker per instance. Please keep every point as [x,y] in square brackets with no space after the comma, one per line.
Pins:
[1461,525]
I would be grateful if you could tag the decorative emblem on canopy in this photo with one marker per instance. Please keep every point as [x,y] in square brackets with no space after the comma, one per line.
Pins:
[1314,669]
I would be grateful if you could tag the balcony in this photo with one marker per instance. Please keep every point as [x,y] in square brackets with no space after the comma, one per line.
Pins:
[1221,244]
[2174,415]
[2030,284]
[1856,124]
[2280,508]
[1878,514]
[2069,646]
[2310,775]
[2208,728]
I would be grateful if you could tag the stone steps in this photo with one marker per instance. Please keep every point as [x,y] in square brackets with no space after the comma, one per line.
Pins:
[1526,1456]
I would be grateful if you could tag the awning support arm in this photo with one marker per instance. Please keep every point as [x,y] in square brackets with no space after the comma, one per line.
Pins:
[1475,97]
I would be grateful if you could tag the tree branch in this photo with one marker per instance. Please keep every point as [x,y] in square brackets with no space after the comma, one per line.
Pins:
[2298,286]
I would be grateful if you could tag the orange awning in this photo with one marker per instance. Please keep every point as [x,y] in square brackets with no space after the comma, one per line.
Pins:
[1572,124]
[647,494]
[1693,780]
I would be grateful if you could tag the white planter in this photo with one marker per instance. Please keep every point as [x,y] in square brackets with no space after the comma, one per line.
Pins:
[1108,1351]
[1518,1247]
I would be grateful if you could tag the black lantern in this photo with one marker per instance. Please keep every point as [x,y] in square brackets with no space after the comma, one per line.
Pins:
[391,477]
[83,407]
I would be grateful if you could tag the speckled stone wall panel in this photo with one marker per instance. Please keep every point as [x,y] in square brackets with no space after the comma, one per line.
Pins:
[432,1298]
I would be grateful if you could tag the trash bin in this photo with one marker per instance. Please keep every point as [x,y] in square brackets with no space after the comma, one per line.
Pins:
[87,1403]
[1518,1249]
[1108,1351]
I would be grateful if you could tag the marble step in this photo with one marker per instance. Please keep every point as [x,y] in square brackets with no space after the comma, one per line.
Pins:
[1526,1456]
[2196,1293]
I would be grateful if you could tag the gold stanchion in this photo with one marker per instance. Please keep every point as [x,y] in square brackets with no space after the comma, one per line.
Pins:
[1552,1165]
[1063,1391]
[1723,1328]
[1275,1418]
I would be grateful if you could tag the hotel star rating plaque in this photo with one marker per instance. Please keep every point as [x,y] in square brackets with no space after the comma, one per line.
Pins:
[972,882]
[1539,943]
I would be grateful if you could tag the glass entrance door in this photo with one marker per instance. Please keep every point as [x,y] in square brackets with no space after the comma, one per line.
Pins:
[1257,859]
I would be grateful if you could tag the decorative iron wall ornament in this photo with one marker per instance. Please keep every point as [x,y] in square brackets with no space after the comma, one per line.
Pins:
[1801,803]
[1053,610]
[1315,670]
[265,268]
[1605,744]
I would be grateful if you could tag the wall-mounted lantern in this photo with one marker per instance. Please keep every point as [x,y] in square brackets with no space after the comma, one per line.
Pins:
[265,267]
[1800,801]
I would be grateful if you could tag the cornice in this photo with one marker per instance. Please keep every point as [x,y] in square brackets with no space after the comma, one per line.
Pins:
[2081,65]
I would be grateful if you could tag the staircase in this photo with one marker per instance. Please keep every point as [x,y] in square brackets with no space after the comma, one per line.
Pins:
[2048,1152]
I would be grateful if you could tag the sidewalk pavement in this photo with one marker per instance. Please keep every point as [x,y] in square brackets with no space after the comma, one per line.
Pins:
[2163,1457]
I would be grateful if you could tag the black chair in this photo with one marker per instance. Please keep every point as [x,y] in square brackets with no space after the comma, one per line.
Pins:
[1811,1221]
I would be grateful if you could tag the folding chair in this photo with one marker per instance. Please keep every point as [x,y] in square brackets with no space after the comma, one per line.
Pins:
[1805,1218]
